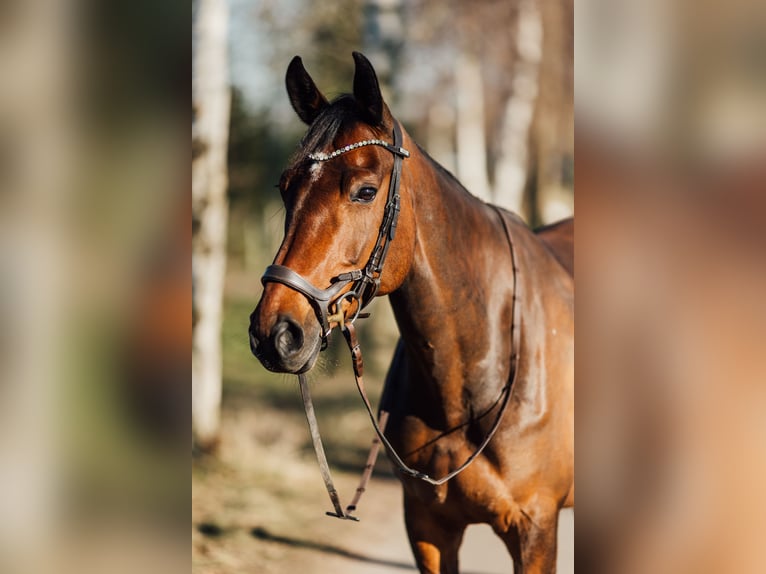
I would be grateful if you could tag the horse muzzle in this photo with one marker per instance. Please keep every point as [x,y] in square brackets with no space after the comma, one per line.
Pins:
[286,348]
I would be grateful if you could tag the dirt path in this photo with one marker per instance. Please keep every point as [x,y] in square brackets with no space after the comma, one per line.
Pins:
[378,543]
[245,533]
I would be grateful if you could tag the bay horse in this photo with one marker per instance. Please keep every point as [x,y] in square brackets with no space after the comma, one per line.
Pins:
[460,273]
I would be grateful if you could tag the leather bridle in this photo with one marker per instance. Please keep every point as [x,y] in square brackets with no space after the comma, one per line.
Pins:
[364,286]
[366,281]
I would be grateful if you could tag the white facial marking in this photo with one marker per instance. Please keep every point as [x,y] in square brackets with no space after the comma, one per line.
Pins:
[316,170]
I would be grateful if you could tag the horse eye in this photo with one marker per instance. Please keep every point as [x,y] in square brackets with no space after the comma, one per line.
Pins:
[365,194]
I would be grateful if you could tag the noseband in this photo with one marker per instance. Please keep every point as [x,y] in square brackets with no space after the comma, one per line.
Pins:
[366,281]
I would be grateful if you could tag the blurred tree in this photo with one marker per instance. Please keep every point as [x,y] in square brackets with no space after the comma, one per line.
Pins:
[470,133]
[210,99]
[552,145]
[323,33]
[383,39]
[258,151]
[512,165]
[498,98]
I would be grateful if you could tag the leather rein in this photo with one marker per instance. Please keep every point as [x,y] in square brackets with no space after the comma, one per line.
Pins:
[364,285]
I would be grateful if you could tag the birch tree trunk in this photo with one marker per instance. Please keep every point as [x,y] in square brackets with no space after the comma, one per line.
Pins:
[383,39]
[211,99]
[440,134]
[39,260]
[512,165]
[471,137]
[554,121]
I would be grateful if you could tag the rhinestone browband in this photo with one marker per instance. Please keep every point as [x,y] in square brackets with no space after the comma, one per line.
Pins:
[320,156]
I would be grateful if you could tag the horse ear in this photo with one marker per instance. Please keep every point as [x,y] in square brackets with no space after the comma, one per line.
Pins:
[305,97]
[367,89]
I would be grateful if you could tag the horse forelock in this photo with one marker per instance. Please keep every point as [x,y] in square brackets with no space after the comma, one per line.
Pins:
[344,110]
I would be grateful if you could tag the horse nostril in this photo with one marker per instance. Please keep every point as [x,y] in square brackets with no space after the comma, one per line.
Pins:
[287,336]
[253,340]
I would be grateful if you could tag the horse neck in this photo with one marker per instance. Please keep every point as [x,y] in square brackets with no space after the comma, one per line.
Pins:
[448,220]
[453,228]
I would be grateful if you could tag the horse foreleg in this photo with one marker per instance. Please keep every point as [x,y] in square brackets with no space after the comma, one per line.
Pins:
[434,543]
[537,539]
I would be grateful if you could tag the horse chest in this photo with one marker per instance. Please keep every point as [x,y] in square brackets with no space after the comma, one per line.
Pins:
[478,494]
[437,453]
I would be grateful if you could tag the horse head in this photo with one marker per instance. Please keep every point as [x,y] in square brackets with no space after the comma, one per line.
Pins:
[345,201]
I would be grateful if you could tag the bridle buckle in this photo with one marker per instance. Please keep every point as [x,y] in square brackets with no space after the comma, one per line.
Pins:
[339,316]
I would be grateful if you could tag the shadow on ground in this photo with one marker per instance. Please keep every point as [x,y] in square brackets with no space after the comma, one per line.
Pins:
[212,530]
[263,534]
